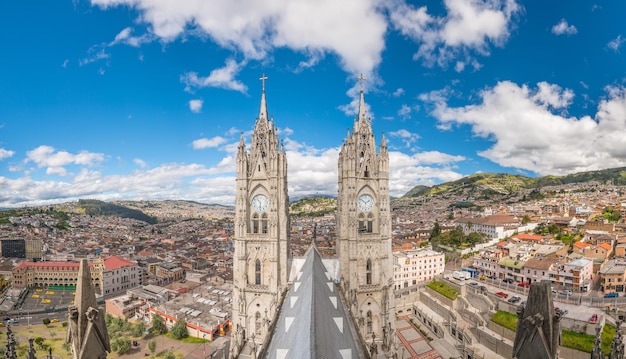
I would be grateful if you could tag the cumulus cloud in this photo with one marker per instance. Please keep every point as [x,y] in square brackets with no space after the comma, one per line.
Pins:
[196,105]
[354,30]
[468,27]
[404,112]
[203,143]
[426,168]
[530,128]
[563,28]
[398,92]
[223,78]
[4,153]
[616,43]
[47,156]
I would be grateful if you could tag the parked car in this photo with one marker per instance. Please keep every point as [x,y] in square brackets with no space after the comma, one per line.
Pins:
[523,303]
[514,299]
[502,295]
[482,277]
[523,284]
[593,319]
[611,295]
[473,284]
[565,292]
[507,280]
[482,287]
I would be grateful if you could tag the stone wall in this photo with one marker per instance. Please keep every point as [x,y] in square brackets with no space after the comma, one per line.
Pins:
[500,330]
[568,353]
[443,299]
[444,312]
[496,345]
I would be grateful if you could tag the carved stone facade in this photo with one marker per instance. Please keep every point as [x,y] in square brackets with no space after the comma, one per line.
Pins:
[364,234]
[86,330]
[260,265]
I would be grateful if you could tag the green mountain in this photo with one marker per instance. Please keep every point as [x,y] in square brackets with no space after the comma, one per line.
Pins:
[489,184]
[99,208]
[315,206]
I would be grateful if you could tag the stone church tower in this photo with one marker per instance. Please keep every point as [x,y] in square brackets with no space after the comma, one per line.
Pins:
[260,265]
[364,234]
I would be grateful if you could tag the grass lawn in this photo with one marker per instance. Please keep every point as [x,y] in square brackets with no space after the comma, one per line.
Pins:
[444,289]
[54,336]
[505,319]
[569,339]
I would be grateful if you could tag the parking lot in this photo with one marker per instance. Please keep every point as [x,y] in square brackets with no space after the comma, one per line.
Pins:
[48,299]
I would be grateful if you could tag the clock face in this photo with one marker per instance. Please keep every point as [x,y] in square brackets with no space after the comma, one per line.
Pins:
[365,203]
[260,202]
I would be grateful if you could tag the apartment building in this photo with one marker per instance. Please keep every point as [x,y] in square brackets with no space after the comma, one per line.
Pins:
[575,275]
[411,267]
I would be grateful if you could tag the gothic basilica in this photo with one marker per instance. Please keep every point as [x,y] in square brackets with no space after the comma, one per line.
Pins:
[311,307]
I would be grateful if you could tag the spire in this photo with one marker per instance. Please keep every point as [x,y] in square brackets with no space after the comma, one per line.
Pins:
[361,100]
[383,141]
[263,110]
[363,121]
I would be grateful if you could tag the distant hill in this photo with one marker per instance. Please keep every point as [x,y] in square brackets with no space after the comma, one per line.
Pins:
[99,208]
[487,184]
[316,206]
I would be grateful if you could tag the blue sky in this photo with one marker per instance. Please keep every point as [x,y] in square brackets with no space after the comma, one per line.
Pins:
[145,99]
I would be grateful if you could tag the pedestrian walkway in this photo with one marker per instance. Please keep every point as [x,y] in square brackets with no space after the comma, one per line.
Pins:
[412,345]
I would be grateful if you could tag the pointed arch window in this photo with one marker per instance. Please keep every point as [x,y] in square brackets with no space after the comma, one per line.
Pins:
[257,272]
[264,223]
[257,324]
[370,223]
[368,321]
[255,223]
[368,271]
[362,224]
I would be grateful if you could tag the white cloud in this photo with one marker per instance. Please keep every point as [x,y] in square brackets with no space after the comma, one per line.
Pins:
[47,156]
[94,54]
[405,136]
[223,78]
[208,143]
[124,37]
[469,26]
[616,43]
[6,153]
[354,29]
[563,28]
[405,112]
[139,162]
[399,92]
[408,171]
[528,133]
[196,105]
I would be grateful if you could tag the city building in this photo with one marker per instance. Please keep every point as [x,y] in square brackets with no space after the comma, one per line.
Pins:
[575,275]
[109,275]
[31,249]
[411,267]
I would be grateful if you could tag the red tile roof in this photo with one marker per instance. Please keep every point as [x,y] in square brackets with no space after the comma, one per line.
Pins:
[114,262]
[528,237]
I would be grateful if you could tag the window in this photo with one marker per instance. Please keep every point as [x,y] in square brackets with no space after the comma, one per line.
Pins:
[257,272]
[370,221]
[368,271]
[257,324]
[255,223]
[264,223]
[369,321]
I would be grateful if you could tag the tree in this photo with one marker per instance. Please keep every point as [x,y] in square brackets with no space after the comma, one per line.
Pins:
[138,329]
[526,219]
[158,325]
[169,355]
[436,232]
[179,330]
[121,345]
[152,346]
[46,321]
[39,341]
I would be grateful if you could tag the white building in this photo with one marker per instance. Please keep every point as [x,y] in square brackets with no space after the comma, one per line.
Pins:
[411,267]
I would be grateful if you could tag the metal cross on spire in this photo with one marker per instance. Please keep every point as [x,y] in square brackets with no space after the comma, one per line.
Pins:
[361,79]
[263,78]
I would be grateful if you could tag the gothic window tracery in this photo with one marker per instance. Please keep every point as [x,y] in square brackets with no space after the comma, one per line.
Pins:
[257,272]
[368,321]
[257,324]
[264,223]
[368,271]
[255,223]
